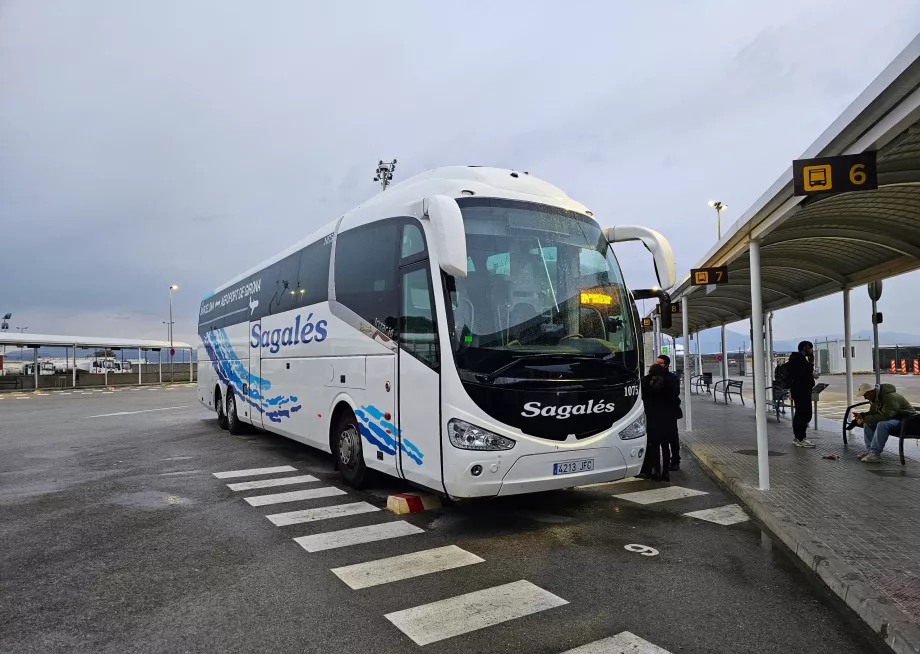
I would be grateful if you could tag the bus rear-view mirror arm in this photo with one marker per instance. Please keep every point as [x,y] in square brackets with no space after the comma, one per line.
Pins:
[450,238]
[655,243]
[664,303]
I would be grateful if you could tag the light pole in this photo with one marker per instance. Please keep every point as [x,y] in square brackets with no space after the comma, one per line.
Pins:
[718,206]
[172,287]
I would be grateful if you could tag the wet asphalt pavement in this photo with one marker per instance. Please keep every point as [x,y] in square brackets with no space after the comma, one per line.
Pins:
[116,537]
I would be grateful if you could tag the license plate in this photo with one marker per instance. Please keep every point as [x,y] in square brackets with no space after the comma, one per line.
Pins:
[569,467]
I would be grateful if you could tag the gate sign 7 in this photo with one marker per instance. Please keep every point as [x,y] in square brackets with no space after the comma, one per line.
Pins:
[707,276]
[826,175]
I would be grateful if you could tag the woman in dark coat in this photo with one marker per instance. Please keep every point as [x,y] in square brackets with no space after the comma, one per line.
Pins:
[662,406]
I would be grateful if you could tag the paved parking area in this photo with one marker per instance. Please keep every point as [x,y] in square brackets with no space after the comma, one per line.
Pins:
[133,524]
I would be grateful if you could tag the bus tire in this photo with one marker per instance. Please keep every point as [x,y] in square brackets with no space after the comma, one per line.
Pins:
[221,413]
[234,425]
[348,451]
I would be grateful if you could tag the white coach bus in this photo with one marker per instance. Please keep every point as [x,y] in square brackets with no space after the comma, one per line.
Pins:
[467,330]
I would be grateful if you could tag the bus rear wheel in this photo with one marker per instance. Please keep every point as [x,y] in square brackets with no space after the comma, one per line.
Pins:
[221,414]
[234,425]
[348,450]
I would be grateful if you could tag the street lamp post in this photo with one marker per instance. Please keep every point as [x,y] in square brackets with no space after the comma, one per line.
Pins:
[718,206]
[172,287]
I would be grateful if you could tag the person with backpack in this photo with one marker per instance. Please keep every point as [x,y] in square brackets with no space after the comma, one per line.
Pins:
[674,383]
[800,375]
[661,408]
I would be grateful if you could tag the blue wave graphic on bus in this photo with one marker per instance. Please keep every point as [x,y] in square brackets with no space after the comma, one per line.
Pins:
[232,372]
[383,434]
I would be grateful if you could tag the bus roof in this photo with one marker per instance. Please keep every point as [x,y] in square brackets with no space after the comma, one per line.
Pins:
[452,181]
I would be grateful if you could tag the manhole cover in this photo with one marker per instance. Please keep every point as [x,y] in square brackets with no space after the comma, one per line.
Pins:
[754,453]
[894,473]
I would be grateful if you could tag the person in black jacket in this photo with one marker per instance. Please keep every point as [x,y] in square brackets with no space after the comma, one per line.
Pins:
[674,381]
[802,375]
[661,407]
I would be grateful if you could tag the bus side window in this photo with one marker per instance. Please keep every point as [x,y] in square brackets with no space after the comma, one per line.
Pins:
[314,273]
[365,273]
[418,331]
[413,242]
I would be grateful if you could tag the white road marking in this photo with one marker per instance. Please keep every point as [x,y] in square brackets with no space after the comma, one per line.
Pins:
[729,514]
[294,496]
[21,397]
[252,472]
[131,413]
[610,483]
[405,566]
[462,614]
[268,483]
[321,513]
[333,539]
[644,550]
[660,495]
[623,643]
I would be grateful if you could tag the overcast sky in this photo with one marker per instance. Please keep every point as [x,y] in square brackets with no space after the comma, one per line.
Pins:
[150,143]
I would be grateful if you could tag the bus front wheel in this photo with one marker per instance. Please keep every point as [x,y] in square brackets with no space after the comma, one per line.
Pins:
[234,426]
[348,451]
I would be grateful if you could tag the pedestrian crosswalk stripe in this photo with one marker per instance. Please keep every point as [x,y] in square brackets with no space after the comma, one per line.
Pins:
[620,644]
[321,513]
[627,480]
[268,483]
[333,539]
[252,472]
[462,614]
[405,566]
[660,495]
[721,515]
[294,496]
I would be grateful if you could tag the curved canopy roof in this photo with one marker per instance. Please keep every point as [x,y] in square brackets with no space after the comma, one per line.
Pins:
[55,340]
[812,247]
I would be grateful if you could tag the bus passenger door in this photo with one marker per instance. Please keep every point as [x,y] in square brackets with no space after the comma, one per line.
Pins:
[419,387]
[253,389]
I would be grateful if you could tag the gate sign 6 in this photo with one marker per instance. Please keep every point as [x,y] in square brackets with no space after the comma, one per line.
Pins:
[707,276]
[852,172]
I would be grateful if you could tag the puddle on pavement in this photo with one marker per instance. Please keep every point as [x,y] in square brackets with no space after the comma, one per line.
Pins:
[150,500]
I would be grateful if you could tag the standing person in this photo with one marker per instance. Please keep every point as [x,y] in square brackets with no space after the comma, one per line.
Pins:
[802,375]
[882,419]
[674,381]
[661,406]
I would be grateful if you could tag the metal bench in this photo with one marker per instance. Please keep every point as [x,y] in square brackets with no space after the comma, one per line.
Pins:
[702,383]
[729,387]
[779,400]
[910,427]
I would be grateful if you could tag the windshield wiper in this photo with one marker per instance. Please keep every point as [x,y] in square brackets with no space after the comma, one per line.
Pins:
[492,376]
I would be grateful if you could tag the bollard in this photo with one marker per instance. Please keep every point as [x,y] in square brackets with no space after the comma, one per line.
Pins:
[917,366]
[893,368]
[903,366]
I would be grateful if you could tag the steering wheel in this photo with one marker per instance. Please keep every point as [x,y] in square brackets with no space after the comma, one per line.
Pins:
[568,336]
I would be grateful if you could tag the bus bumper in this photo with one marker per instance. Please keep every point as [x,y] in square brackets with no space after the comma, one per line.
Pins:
[533,473]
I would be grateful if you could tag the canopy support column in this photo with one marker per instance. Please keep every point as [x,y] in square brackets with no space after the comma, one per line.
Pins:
[848,345]
[724,356]
[688,420]
[191,367]
[74,365]
[140,366]
[160,362]
[35,365]
[760,406]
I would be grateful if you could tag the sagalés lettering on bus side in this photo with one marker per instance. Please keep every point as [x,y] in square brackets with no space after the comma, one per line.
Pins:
[275,339]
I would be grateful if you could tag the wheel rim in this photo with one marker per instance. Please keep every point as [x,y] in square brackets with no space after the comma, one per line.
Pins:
[349,443]
[220,407]
[231,409]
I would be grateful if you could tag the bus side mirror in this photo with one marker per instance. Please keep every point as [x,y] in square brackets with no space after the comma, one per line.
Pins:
[658,245]
[450,238]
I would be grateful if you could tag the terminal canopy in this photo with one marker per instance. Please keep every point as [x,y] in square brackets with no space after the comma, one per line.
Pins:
[816,246]
[54,340]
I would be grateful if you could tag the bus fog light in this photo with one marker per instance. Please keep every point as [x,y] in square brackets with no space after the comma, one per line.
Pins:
[476,470]
[465,436]
[641,452]
[635,429]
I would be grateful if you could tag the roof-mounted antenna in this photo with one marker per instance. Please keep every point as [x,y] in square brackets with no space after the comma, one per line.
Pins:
[385,173]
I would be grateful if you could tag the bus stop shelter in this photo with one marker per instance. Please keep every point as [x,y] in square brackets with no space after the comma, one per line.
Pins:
[786,249]
[36,341]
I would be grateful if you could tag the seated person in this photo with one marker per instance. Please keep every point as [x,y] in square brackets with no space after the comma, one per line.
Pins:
[882,419]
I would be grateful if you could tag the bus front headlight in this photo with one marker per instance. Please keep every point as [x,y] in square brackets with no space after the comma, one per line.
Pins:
[465,436]
[635,429]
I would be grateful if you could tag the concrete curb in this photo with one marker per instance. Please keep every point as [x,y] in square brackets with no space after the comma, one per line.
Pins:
[894,627]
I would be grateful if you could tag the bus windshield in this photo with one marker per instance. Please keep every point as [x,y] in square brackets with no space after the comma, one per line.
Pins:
[543,299]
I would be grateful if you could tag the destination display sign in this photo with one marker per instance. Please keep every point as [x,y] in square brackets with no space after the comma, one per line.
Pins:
[844,174]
